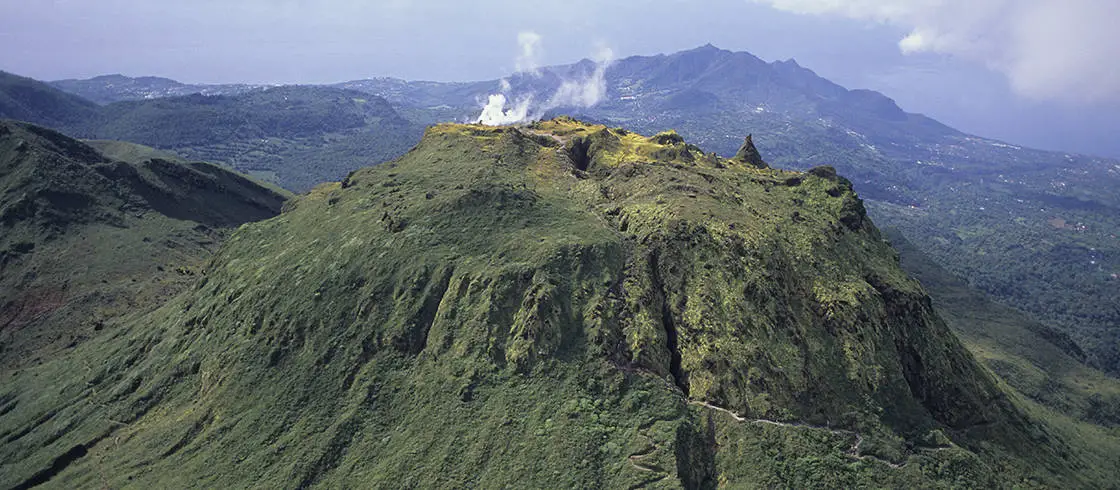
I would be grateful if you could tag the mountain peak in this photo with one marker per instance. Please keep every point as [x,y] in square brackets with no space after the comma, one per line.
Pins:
[707,50]
[749,154]
[561,286]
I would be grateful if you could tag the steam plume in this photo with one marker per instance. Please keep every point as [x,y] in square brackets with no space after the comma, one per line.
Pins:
[529,60]
[496,114]
[582,92]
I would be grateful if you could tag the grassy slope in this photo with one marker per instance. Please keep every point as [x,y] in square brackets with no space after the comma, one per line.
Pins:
[136,154]
[30,100]
[87,239]
[1033,360]
[129,152]
[547,307]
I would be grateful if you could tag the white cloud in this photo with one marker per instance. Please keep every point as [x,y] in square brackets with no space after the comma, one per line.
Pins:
[1049,49]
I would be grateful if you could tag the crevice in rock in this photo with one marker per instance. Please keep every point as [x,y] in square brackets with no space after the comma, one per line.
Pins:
[415,338]
[428,311]
[580,153]
[680,378]
[695,452]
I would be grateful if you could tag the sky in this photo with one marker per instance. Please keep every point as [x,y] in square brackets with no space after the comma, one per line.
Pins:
[1042,73]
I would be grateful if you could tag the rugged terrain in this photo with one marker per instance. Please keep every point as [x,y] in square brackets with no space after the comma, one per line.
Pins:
[1036,230]
[558,305]
[88,236]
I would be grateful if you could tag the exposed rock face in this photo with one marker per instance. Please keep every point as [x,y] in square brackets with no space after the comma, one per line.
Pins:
[558,305]
[749,155]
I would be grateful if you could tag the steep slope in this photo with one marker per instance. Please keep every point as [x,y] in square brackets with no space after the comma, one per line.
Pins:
[85,239]
[130,152]
[982,209]
[1036,362]
[30,100]
[561,305]
[1034,229]
[1041,363]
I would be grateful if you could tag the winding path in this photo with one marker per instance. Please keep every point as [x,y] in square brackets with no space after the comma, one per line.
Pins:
[852,452]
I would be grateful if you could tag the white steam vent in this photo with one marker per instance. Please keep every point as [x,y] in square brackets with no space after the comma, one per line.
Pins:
[505,108]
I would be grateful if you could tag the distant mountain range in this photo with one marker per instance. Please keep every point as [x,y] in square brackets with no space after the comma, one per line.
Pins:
[295,136]
[1036,229]
[107,89]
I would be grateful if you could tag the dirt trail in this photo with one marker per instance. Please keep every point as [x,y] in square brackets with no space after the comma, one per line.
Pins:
[852,452]
[541,133]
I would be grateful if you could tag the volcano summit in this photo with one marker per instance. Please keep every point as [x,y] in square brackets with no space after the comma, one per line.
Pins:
[552,305]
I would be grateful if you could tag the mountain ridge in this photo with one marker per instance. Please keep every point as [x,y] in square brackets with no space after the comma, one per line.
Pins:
[85,237]
[106,89]
[27,99]
[540,305]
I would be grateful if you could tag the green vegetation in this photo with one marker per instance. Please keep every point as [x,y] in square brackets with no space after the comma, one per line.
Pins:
[86,239]
[30,100]
[107,89]
[1036,230]
[1037,362]
[293,136]
[561,305]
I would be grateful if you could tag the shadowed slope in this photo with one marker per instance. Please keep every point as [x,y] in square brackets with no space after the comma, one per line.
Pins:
[85,238]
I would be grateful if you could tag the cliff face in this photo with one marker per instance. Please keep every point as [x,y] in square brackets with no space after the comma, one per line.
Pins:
[558,305]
